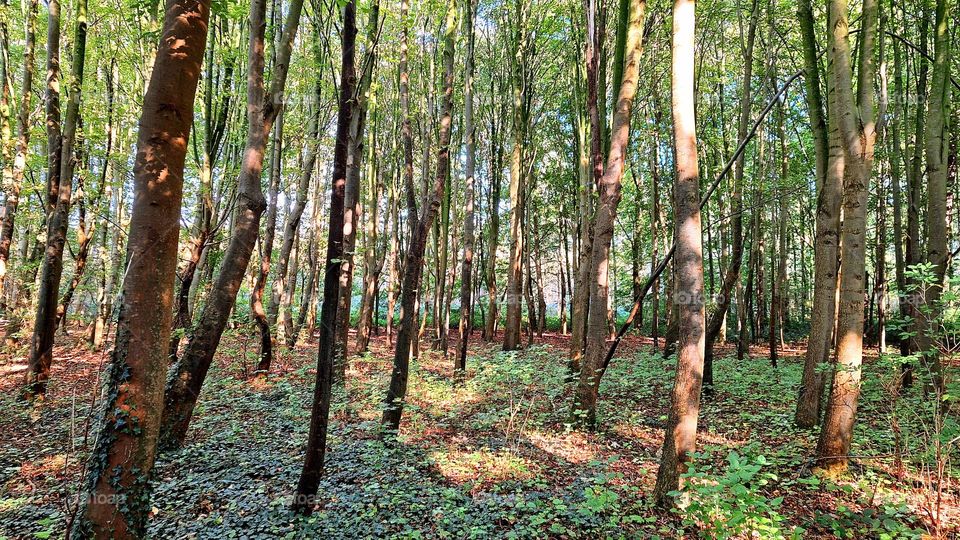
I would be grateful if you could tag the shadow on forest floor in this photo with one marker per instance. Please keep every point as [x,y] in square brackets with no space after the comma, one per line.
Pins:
[489,458]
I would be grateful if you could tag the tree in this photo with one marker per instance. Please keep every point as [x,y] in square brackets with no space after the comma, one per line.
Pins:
[585,399]
[680,439]
[22,145]
[45,321]
[320,411]
[854,125]
[189,372]
[116,502]
[466,272]
[825,258]
[413,263]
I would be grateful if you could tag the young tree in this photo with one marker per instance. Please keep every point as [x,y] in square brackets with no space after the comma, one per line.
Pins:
[22,148]
[116,502]
[680,440]
[585,399]
[466,273]
[829,181]
[320,412]
[45,320]
[520,77]
[413,263]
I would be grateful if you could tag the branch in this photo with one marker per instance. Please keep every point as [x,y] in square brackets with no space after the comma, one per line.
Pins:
[741,148]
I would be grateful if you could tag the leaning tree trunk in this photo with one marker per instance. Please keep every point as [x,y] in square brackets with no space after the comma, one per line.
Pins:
[680,440]
[283,288]
[116,502]
[45,320]
[188,374]
[585,399]
[309,481]
[413,264]
[266,252]
[732,275]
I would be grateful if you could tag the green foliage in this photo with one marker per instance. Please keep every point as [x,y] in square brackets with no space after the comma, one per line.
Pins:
[731,503]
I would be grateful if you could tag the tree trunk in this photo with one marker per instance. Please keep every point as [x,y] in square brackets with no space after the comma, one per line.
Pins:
[260,317]
[732,275]
[117,504]
[825,254]
[309,481]
[585,398]
[188,374]
[45,320]
[855,123]
[493,233]
[936,152]
[520,75]
[413,265]
[680,440]
[469,221]
[22,145]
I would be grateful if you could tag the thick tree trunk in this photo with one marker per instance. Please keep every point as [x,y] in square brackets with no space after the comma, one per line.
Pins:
[188,374]
[413,265]
[585,399]
[45,320]
[116,503]
[680,440]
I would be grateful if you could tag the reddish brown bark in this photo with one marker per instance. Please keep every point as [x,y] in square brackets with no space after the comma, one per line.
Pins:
[117,497]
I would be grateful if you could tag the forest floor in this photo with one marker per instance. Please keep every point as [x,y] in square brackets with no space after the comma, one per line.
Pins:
[490,458]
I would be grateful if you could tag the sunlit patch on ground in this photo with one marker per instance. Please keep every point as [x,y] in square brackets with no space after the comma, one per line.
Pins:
[489,455]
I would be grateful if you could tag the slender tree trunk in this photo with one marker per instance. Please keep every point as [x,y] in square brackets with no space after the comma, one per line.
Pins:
[493,233]
[469,222]
[116,502]
[413,265]
[260,317]
[41,345]
[312,470]
[585,399]
[855,123]
[188,374]
[582,286]
[732,275]
[22,146]
[520,76]
[936,152]
[680,440]
[825,255]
